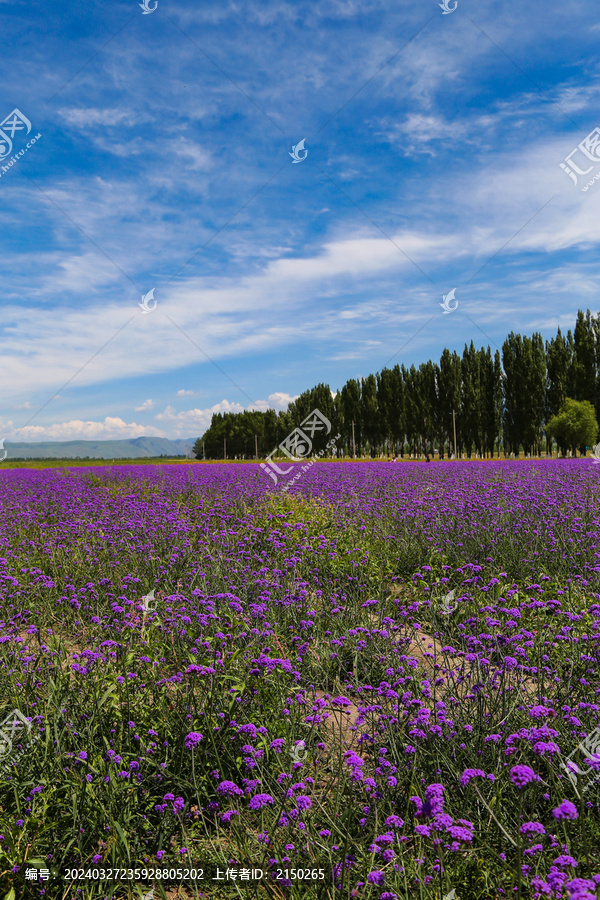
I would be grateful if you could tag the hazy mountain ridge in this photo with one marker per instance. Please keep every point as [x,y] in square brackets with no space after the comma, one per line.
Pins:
[133,448]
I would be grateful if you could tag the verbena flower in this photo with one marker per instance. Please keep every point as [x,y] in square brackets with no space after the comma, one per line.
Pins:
[522,775]
[566,810]
[468,774]
[229,788]
[565,862]
[532,828]
[192,740]
[260,800]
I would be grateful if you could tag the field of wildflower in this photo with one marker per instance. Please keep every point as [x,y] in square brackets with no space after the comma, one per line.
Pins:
[384,684]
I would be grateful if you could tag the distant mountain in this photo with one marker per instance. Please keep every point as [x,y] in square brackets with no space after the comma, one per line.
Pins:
[136,448]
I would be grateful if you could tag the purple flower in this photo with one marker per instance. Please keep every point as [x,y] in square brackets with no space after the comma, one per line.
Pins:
[227,815]
[535,848]
[419,804]
[178,804]
[387,838]
[581,889]
[468,774]
[260,800]
[434,800]
[541,747]
[532,828]
[566,810]
[353,759]
[442,821]
[395,821]
[192,739]
[228,787]
[460,834]
[522,775]
[563,862]
[376,878]
[540,712]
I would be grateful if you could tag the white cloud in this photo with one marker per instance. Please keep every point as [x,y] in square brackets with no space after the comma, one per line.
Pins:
[321,291]
[184,424]
[194,421]
[146,405]
[421,129]
[189,422]
[84,117]
[279,401]
[112,428]
[184,393]
[224,317]
[198,157]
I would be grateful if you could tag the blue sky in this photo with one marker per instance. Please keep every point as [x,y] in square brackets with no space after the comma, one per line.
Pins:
[434,147]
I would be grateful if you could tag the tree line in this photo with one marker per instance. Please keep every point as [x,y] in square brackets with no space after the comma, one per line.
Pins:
[512,402]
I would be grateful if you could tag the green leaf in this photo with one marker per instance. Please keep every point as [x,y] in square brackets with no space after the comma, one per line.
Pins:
[105,695]
[122,836]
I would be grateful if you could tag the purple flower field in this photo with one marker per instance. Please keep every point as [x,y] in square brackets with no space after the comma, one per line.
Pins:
[387,680]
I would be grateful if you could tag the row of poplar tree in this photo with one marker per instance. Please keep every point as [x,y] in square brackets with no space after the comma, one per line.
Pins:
[492,400]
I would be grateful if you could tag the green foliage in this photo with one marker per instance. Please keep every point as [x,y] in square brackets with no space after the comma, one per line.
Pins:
[574,426]
[501,400]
